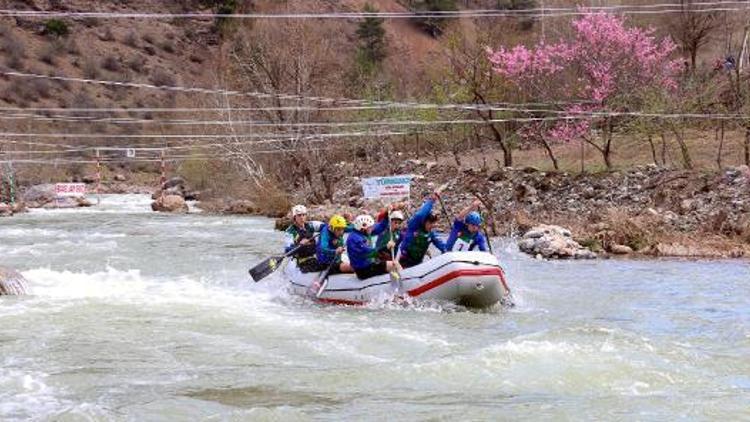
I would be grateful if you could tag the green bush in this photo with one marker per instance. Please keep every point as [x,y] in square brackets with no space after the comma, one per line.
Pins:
[433,25]
[56,28]
[224,7]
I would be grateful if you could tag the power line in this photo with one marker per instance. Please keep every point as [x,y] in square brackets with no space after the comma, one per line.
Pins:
[661,8]
[561,115]
[272,108]
[255,94]
[374,104]
[135,147]
[193,157]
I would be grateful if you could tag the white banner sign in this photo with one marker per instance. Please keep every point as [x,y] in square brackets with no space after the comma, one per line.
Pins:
[388,188]
[63,190]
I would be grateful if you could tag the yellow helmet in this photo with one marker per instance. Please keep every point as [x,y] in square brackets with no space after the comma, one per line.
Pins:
[337,222]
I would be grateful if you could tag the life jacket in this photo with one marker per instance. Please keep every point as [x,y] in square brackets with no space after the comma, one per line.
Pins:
[327,244]
[417,248]
[385,237]
[307,232]
[466,242]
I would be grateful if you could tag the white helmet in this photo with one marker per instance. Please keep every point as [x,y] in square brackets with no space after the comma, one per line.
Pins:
[363,222]
[397,215]
[298,210]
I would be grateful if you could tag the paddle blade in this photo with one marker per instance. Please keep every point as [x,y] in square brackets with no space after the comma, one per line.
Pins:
[265,268]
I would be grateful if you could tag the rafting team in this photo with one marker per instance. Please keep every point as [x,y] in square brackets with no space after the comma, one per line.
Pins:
[378,245]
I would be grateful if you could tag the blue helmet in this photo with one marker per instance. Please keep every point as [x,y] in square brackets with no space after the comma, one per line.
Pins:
[473,218]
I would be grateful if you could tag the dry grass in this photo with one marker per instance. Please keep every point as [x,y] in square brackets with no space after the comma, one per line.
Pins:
[218,181]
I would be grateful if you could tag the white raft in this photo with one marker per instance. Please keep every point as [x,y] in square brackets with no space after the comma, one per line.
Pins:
[471,279]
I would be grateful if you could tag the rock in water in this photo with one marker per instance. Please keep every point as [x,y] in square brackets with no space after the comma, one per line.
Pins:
[170,203]
[553,242]
[12,282]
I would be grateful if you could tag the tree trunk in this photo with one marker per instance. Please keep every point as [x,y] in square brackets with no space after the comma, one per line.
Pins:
[550,153]
[583,156]
[747,145]
[693,58]
[607,149]
[653,149]
[720,136]
[663,149]
[687,162]
[507,151]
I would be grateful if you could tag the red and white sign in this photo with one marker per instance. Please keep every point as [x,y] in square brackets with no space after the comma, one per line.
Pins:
[76,190]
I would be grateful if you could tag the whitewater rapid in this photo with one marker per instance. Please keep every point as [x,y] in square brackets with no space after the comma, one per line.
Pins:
[141,316]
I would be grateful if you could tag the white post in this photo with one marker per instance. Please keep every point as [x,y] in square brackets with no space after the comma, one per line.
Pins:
[98,178]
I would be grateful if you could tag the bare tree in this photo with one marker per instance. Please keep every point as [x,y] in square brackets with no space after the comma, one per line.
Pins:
[471,78]
[287,64]
[692,29]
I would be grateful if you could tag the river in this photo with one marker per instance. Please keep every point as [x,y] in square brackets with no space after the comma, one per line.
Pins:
[139,316]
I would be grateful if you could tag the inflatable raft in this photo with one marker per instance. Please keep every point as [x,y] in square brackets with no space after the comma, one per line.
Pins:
[471,279]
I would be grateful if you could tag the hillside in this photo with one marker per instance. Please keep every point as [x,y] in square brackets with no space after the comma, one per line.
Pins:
[159,52]
[306,57]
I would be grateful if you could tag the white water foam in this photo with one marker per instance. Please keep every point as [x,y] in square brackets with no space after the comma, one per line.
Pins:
[24,395]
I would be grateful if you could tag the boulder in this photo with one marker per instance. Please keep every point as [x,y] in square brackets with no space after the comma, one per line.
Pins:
[689,250]
[553,242]
[43,196]
[620,249]
[69,202]
[241,206]
[18,208]
[120,178]
[12,282]
[173,182]
[170,203]
[38,195]
[192,195]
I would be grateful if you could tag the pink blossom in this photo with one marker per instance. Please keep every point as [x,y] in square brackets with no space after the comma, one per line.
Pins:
[603,63]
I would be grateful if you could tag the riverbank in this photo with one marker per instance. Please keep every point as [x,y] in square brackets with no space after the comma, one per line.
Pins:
[646,210]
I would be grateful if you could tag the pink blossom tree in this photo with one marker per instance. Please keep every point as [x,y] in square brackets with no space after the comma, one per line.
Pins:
[604,68]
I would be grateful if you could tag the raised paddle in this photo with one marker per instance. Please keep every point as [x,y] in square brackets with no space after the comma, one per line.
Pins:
[442,205]
[271,264]
[484,225]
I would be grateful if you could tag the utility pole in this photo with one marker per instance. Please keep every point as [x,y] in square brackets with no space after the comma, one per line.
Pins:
[743,49]
[543,32]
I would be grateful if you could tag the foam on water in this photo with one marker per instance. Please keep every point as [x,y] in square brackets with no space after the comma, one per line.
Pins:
[24,394]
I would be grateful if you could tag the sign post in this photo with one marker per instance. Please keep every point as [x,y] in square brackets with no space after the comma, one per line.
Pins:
[98,177]
[69,190]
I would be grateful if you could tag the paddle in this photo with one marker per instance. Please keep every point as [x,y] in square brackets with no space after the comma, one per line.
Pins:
[324,276]
[484,225]
[395,274]
[442,205]
[487,236]
[271,264]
